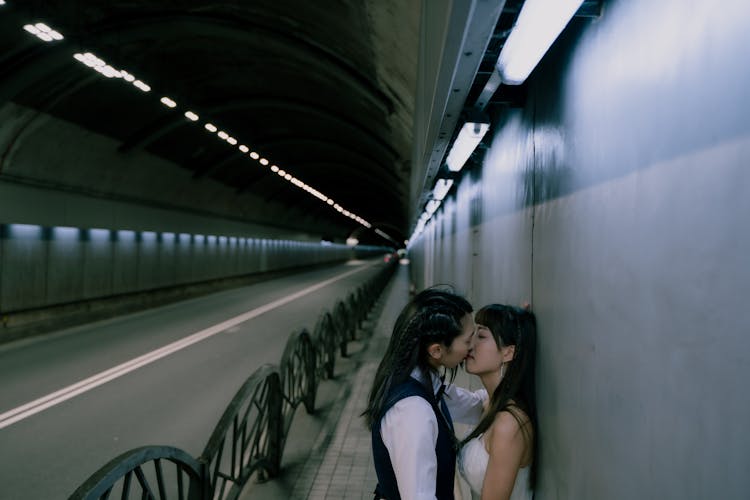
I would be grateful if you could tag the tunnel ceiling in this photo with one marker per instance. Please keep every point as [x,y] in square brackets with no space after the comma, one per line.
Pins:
[323,89]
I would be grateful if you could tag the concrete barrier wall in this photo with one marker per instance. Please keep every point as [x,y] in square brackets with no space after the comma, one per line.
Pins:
[47,266]
[616,202]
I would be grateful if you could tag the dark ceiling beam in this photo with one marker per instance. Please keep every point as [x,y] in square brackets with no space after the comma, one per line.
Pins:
[314,169]
[37,65]
[391,230]
[205,169]
[374,166]
[158,128]
[144,25]
[304,202]
[51,58]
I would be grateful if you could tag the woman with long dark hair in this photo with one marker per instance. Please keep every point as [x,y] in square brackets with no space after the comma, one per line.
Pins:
[413,444]
[499,457]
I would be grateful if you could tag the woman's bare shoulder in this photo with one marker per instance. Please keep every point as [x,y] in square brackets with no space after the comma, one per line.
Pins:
[507,425]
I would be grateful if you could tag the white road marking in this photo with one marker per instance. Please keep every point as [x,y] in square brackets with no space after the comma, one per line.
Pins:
[71,391]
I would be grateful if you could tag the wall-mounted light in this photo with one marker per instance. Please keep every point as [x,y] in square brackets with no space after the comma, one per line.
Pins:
[468,139]
[537,26]
[432,206]
[442,186]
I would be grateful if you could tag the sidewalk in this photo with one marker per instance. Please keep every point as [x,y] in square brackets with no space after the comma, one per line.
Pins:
[328,454]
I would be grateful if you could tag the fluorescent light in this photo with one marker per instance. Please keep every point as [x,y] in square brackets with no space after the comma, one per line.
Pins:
[43,32]
[281,173]
[141,85]
[274,168]
[254,155]
[232,141]
[191,116]
[288,176]
[442,186]
[244,148]
[210,127]
[223,135]
[168,102]
[537,27]
[468,138]
[432,206]
[263,161]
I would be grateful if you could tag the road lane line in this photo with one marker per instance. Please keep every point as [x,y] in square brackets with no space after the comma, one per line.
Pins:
[57,397]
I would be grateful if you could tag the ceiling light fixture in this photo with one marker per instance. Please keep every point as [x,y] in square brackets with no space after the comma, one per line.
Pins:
[43,32]
[468,139]
[442,186]
[432,206]
[537,27]
[142,86]
[46,33]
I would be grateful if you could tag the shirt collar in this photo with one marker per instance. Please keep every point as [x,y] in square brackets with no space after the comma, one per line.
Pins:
[416,374]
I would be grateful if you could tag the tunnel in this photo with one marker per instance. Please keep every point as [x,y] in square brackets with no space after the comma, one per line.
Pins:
[211,214]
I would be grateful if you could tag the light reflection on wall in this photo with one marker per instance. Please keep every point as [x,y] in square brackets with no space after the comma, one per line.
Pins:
[66,233]
[24,231]
[125,235]
[99,234]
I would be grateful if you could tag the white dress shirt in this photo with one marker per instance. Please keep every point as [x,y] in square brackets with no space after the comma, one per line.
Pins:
[410,430]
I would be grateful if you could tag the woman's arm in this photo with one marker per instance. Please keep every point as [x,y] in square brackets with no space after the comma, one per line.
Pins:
[410,431]
[506,446]
[465,406]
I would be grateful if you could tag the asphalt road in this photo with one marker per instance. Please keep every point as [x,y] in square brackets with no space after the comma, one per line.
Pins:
[175,400]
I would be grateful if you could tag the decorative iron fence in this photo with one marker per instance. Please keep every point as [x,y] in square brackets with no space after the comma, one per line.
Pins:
[251,434]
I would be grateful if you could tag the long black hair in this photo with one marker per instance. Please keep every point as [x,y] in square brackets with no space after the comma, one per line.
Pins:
[433,315]
[517,389]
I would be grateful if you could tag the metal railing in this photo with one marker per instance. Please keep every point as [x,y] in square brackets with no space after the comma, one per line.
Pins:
[251,434]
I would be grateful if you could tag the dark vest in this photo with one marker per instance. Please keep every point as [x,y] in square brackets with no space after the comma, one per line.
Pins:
[445,450]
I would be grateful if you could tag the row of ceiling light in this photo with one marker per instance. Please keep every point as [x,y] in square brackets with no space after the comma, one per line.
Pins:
[538,25]
[47,34]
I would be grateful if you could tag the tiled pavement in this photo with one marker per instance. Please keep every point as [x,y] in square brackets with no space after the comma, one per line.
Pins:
[346,470]
[339,463]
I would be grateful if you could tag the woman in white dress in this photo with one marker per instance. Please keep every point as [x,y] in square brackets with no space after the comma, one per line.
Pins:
[498,458]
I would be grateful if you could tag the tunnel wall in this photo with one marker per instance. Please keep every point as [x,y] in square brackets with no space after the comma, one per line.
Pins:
[45,266]
[616,202]
[53,277]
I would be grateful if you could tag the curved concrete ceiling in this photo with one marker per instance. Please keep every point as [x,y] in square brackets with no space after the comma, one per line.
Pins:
[323,85]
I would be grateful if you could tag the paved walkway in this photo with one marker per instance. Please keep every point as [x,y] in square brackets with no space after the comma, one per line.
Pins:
[338,464]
